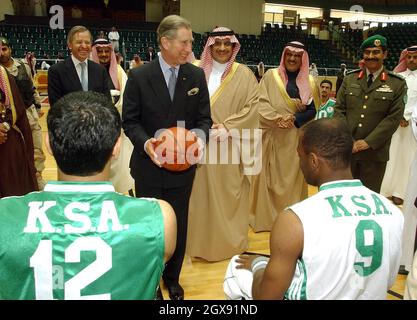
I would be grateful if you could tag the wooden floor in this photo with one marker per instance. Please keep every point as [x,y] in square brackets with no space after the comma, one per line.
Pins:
[200,279]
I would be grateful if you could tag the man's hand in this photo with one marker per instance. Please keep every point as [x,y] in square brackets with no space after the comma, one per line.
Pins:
[3,133]
[299,105]
[150,151]
[192,158]
[287,121]
[404,123]
[245,261]
[218,132]
[360,145]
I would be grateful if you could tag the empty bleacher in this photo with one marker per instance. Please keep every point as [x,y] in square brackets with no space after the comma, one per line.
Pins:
[399,36]
[266,47]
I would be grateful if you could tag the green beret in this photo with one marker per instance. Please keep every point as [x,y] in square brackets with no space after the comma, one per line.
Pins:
[374,41]
[4,42]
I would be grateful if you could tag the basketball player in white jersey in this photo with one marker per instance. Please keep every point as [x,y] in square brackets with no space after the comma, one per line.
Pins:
[342,243]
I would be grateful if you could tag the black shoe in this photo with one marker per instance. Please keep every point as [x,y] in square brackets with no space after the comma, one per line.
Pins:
[402,271]
[176,292]
[159,295]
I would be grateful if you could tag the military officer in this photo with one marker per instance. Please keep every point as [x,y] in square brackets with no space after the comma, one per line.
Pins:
[371,101]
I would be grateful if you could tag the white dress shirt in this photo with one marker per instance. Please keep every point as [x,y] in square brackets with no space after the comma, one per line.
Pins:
[215,78]
[165,67]
[78,66]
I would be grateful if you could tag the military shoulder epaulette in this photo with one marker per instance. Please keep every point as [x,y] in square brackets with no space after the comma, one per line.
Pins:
[396,75]
[353,71]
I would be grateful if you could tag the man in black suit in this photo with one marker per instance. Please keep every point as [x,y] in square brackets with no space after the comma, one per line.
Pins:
[151,102]
[77,73]
[150,54]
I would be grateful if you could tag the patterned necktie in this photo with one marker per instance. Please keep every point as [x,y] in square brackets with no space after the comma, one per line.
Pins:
[171,83]
[84,79]
[370,78]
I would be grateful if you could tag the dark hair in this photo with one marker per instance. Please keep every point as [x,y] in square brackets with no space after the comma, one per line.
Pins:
[83,128]
[328,82]
[330,139]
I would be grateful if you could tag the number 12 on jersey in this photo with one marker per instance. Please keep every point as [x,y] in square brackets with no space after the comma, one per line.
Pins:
[41,262]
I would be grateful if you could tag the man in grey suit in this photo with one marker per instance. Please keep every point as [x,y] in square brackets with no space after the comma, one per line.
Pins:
[77,73]
[158,95]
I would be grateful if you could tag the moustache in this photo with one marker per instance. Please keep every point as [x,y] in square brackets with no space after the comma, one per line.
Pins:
[373,59]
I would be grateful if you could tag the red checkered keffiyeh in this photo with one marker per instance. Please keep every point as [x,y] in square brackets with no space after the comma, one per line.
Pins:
[302,77]
[206,57]
[113,60]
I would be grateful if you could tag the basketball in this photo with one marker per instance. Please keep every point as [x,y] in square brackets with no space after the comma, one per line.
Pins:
[176,148]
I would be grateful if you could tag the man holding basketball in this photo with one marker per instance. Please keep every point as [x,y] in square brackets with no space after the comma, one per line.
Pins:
[79,239]
[159,95]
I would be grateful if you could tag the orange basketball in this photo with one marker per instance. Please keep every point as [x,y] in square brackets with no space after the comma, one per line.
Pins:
[176,148]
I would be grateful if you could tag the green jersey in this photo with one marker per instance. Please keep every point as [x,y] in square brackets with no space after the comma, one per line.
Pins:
[326,110]
[80,241]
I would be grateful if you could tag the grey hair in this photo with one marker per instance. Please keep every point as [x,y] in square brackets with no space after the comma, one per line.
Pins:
[77,29]
[170,25]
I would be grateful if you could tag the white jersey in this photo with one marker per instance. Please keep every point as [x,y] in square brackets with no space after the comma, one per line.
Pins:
[352,244]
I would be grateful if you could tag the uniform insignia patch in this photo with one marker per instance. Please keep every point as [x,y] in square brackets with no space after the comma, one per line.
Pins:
[384,88]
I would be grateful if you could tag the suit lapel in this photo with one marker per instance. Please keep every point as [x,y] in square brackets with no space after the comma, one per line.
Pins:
[363,82]
[157,81]
[90,75]
[72,75]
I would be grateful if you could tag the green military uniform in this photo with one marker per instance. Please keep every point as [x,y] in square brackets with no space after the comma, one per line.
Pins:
[373,114]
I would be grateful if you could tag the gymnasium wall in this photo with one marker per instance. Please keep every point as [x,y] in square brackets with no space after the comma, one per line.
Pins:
[6,7]
[153,11]
[242,16]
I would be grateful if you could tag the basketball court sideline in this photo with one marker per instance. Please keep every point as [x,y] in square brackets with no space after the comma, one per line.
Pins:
[200,279]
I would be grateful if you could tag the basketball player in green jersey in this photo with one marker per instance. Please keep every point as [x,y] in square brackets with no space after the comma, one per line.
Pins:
[326,109]
[79,239]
